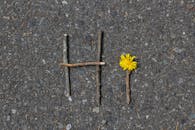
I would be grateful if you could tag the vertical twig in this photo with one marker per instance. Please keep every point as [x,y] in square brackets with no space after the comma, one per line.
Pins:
[128,90]
[177,126]
[98,79]
[66,69]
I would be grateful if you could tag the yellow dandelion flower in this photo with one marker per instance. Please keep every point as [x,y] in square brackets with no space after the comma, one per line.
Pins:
[127,62]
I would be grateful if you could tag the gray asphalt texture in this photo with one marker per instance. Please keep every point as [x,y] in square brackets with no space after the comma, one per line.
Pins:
[161,33]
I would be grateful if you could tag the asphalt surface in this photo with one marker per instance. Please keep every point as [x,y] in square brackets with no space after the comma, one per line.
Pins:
[161,33]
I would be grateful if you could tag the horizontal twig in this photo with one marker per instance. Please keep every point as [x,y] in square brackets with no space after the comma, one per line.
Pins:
[82,64]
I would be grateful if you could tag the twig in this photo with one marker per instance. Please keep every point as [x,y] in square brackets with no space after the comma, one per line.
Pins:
[65,60]
[128,90]
[82,64]
[98,79]
[177,126]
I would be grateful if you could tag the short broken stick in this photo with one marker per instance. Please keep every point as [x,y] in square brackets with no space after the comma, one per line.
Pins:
[177,126]
[128,89]
[66,69]
[98,68]
[82,64]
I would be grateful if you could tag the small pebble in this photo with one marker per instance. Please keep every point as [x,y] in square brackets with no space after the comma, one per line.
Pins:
[123,108]
[149,8]
[109,11]
[84,101]
[146,44]
[70,99]
[104,122]
[180,81]
[135,80]
[43,60]
[178,50]
[8,118]
[64,2]
[68,127]
[96,109]
[146,85]
[13,111]
[67,15]
[182,2]
[154,59]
